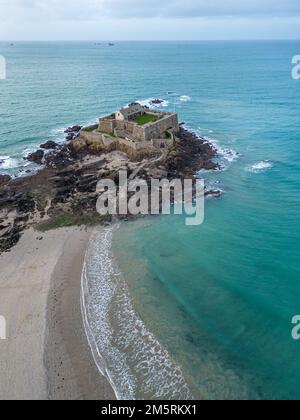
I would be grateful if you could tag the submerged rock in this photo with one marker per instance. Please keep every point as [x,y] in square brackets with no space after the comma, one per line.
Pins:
[157,102]
[213,193]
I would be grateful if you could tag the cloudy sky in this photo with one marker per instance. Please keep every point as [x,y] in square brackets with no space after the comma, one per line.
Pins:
[149,19]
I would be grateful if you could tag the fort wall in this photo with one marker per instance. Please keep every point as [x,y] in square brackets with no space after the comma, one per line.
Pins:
[156,130]
[106,142]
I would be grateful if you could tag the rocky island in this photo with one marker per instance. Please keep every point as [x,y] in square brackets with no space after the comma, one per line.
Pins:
[63,192]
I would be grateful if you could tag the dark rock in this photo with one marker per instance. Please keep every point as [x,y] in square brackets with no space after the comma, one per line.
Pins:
[213,193]
[26,204]
[64,181]
[70,136]
[60,158]
[210,166]
[49,145]
[36,157]
[157,102]
[88,187]
[74,129]
[189,155]
[10,238]
[22,219]
[4,179]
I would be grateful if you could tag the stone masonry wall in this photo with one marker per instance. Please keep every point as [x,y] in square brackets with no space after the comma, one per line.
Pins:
[107,125]
[96,138]
[146,132]
[157,129]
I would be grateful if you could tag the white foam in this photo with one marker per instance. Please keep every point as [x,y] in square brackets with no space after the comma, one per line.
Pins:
[226,156]
[164,103]
[185,98]
[261,166]
[7,162]
[126,353]
[149,103]
[58,135]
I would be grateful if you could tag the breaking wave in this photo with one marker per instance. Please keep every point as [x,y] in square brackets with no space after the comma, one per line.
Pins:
[226,155]
[153,103]
[15,165]
[125,352]
[261,166]
[185,98]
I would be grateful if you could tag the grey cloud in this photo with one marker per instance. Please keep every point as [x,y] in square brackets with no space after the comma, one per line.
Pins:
[199,8]
[97,9]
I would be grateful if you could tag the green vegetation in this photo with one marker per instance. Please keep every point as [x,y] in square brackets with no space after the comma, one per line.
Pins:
[68,219]
[112,135]
[146,118]
[91,128]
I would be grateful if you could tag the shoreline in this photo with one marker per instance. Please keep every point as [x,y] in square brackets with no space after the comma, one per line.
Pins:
[46,355]
[70,367]
[135,363]
[98,358]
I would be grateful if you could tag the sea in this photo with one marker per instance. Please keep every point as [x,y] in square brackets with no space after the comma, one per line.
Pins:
[174,311]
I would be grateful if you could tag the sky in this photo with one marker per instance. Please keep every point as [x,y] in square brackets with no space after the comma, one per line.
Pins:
[149,19]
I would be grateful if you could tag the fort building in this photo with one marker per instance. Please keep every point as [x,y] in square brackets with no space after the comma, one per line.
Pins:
[135,126]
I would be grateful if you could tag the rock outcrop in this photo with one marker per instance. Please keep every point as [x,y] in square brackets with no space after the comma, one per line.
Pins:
[74,129]
[4,179]
[36,157]
[49,145]
[64,192]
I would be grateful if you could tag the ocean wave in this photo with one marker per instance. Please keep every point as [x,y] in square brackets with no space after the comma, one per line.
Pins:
[10,162]
[16,166]
[149,103]
[126,353]
[226,155]
[261,166]
[58,134]
[164,103]
[185,98]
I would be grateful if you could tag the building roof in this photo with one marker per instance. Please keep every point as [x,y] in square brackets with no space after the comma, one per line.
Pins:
[131,110]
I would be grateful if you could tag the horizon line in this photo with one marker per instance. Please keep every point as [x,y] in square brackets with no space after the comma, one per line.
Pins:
[152,40]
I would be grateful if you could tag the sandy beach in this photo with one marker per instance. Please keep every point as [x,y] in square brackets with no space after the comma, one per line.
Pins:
[46,355]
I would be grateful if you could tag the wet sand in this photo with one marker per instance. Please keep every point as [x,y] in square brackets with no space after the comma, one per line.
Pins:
[46,355]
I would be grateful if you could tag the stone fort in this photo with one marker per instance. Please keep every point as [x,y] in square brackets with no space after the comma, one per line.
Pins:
[136,127]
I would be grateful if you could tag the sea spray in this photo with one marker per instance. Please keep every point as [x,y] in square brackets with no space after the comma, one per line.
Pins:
[130,357]
[259,167]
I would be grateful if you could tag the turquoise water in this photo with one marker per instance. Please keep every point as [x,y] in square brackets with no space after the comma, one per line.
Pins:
[219,297]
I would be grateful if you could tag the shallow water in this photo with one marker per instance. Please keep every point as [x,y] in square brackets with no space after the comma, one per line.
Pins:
[128,354]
